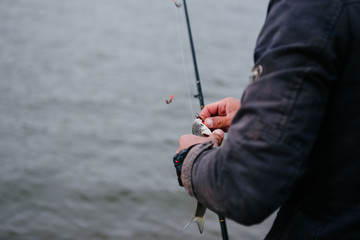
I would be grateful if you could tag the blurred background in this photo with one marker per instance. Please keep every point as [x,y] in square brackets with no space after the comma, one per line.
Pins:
[87,140]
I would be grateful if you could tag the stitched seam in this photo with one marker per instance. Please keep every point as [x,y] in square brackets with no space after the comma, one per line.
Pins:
[333,19]
[187,168]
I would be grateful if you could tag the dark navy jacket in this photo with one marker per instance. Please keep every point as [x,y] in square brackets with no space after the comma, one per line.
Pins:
[295,142]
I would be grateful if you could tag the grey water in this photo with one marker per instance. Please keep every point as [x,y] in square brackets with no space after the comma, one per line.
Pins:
[86,139]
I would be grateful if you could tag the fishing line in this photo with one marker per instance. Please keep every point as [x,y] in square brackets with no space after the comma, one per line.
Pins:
[198,84]
[183,60]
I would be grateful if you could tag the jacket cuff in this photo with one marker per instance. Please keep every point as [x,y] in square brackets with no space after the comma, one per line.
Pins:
[186,170]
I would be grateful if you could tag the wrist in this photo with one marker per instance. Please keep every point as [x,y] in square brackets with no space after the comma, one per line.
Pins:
[178,161]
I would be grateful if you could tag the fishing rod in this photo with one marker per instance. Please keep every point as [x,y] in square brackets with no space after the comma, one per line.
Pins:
[197,75]
[201,100]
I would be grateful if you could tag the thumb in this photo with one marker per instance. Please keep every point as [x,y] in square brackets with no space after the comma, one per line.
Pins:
[217,137]
[217,122]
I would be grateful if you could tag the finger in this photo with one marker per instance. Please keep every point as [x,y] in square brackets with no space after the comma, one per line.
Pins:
[218,122]
[217,137]
[210,110]
[188,140]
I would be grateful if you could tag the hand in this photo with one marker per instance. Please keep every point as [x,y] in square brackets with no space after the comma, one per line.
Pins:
[220,114]
[188,140]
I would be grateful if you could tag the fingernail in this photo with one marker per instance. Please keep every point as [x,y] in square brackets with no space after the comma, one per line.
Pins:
[209,122]
[219,132]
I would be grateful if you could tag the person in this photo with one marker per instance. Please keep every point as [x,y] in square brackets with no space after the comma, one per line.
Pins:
[293,141]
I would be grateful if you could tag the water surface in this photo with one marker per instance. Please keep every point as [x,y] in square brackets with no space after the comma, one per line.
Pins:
[86,137]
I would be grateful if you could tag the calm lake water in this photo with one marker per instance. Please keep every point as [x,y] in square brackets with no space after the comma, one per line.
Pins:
[86,137]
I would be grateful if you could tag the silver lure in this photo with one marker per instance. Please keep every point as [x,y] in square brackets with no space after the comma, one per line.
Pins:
[199,129]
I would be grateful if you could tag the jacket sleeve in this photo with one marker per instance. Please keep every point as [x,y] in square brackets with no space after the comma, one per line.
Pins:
[270,138]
